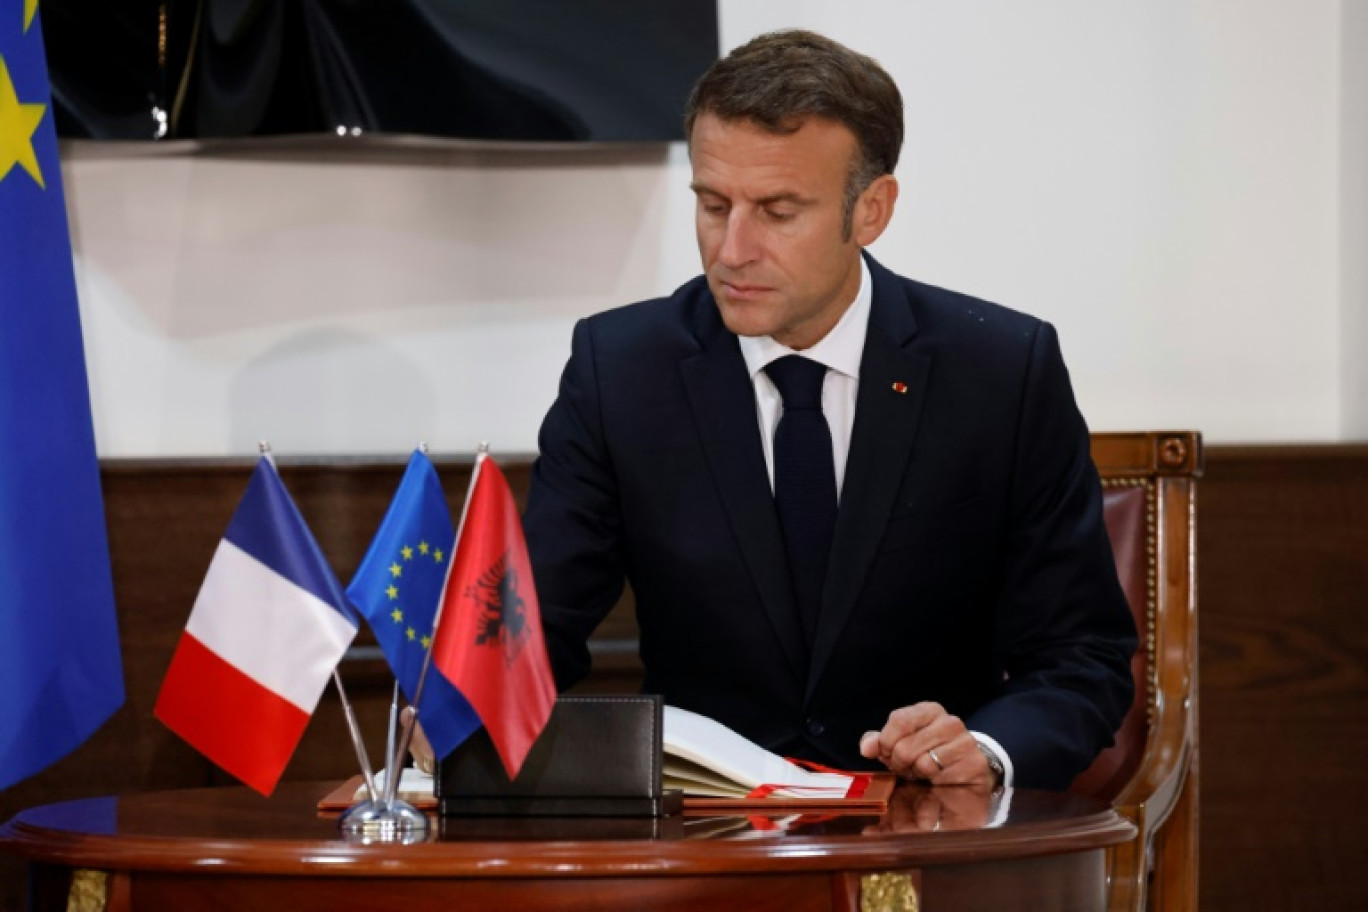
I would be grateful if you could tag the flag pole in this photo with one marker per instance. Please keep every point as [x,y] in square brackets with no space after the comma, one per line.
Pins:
[390,730]
[352,728]
[355,731]
[481,454]
[391,767]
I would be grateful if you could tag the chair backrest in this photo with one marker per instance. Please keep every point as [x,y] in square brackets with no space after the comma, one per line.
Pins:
[1149,489]
[1129,512]
[1148,484]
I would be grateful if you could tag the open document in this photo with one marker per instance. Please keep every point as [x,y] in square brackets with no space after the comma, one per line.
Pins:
[707,760]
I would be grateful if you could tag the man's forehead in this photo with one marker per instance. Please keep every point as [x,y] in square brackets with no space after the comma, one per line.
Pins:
[729,156]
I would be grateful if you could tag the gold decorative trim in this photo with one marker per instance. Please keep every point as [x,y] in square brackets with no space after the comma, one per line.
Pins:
[890,891]
[89,891]
[1151,586]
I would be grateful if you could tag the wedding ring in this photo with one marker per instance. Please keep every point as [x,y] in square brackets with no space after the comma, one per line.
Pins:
[934,759]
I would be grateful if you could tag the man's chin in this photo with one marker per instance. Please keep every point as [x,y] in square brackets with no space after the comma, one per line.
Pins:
[741,320]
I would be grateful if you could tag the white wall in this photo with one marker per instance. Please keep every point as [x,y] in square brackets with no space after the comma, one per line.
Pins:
[1162,180]
[1354,218]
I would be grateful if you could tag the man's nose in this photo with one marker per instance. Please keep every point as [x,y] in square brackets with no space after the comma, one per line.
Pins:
[739,241]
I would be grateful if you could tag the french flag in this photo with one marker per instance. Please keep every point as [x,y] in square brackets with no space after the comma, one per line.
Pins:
[269,626]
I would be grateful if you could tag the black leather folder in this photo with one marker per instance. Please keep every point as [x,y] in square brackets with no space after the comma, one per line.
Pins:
[599,756]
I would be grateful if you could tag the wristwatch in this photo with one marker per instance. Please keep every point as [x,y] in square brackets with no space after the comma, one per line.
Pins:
[994,764]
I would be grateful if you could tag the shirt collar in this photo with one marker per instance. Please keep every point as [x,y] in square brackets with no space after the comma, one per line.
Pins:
[841,349]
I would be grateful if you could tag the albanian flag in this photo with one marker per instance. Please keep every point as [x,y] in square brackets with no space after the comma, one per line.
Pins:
[489,637]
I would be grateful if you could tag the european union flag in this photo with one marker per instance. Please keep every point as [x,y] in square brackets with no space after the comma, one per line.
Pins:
[59,641]
[397,588]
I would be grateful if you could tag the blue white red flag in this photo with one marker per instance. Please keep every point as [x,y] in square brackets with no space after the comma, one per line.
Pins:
[269,626]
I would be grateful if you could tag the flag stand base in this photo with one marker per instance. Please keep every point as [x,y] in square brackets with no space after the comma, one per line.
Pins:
[369,822]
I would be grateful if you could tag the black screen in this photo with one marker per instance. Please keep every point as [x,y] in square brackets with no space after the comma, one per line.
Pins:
[514,70]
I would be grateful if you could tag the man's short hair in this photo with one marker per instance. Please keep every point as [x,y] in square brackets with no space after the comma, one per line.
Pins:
[781,79]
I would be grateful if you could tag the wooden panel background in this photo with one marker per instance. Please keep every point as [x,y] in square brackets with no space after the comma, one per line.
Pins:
[1282,569]
[1283,586]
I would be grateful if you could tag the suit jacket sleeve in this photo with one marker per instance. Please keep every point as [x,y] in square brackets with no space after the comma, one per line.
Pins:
[1064,634]
[572,521]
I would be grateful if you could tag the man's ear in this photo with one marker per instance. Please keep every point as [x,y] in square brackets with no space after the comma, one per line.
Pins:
[874,210]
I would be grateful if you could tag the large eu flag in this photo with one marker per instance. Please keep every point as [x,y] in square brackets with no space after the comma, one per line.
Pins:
[397,588]
[60,674]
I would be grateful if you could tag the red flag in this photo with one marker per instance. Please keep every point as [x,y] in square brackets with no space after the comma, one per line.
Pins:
[489,639]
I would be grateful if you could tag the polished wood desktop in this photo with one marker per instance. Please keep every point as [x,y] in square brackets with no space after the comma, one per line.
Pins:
[232,849]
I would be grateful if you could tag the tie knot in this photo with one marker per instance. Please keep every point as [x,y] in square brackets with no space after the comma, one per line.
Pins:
[799,381]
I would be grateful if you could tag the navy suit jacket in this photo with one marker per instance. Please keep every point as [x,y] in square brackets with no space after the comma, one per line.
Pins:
[970,565]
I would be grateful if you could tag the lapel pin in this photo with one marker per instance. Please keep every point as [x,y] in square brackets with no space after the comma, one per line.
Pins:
[899,387]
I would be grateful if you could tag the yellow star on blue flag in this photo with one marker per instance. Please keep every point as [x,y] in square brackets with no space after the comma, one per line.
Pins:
[401,617]
[18,123]
[60,668]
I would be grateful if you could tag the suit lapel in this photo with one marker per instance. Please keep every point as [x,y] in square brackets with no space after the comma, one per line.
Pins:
[887,410]
[722,400]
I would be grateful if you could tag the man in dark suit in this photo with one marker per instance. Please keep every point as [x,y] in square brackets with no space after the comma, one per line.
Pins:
[900,559]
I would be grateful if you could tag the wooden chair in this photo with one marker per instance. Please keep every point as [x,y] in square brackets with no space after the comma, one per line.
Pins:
[1151,774]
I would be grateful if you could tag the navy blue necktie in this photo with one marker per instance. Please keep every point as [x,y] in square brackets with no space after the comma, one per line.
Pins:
[804,480]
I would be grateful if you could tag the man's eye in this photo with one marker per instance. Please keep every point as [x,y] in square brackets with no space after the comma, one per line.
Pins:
[713,208]
[780,215]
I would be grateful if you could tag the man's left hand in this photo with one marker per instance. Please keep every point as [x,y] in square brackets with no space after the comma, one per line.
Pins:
[925,742]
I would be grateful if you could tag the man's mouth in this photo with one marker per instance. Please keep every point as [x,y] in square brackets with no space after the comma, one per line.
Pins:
[742,291]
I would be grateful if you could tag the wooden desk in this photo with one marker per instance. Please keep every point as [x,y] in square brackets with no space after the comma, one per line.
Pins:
[231,849]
